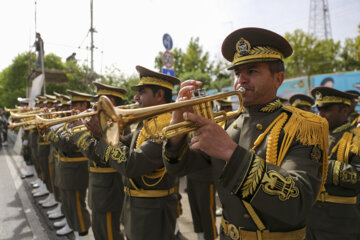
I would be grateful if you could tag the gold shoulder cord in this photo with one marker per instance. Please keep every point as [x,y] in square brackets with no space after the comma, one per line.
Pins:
[310,132]
[151,128]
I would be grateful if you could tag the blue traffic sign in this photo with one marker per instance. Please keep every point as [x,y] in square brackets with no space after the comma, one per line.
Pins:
[168,71]
[167,41]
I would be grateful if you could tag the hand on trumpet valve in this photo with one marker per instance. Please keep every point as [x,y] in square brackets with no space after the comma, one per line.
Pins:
[210,138]
[93,125]
[186,91]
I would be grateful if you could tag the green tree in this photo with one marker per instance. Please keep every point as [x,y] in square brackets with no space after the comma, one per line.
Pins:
[351,53]
[311,55]
[14,78]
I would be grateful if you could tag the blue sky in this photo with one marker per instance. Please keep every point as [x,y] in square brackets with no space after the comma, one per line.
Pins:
[129,33]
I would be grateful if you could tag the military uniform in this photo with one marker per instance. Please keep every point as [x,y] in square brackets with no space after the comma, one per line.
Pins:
[73,176]
[106,190]
[274,174]
[201,193]
[150,203]
[335,214]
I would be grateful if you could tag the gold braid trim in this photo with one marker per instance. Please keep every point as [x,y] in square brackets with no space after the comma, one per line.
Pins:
[157,173]
[253,180]
[342,154]
[273,140]
[310,130]
[271,107]
[342,128]
[153,127]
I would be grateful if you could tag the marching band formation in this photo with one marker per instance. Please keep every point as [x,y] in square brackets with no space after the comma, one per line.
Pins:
[280,171]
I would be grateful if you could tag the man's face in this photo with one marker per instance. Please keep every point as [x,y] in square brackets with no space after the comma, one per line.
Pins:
[81,106]
[259,83]
[335,115]
[145,97]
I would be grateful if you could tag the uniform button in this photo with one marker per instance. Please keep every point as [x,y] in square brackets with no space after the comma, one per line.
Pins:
[246,216]
[235,125]
[259,126]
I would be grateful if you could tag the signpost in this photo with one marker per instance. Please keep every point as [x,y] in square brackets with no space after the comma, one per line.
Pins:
[167,71]
[168,57]
[167,41]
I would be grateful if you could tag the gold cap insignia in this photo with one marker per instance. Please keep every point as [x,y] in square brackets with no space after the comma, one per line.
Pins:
[243,47]
[298,101]
[318,96]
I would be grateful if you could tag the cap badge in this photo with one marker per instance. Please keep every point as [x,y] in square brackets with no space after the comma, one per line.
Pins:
[243,47]
[318,96]
[298,101]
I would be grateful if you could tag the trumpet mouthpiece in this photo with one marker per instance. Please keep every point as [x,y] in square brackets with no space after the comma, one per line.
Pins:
[242,90]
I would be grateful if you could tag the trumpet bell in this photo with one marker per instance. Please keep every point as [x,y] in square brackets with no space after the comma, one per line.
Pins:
[108,121]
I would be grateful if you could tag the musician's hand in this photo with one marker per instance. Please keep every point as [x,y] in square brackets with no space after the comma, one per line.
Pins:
[211,138]
[75,111]
[177,115]
[94,126]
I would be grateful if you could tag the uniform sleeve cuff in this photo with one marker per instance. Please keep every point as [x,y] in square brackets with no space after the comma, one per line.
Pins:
[174,154]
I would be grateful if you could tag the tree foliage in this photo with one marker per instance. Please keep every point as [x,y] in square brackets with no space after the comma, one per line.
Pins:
[311,55]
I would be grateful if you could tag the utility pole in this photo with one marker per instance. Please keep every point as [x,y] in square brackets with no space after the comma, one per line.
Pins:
[92,30]
[319,19]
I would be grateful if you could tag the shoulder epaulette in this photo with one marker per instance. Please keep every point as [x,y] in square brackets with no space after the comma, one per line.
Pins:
[310,130]
[153,127]
[355,142]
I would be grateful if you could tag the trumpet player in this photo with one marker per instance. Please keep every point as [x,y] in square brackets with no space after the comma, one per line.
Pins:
[271,160]
[150,202]
[106,190]
[336,215]
[73,177]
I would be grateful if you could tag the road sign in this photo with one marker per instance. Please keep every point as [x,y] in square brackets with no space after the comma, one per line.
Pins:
[167,41]
[167,71]
[168,59]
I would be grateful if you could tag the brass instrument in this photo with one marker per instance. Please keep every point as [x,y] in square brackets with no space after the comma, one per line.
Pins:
[113,121]
[42,124]
[33,114]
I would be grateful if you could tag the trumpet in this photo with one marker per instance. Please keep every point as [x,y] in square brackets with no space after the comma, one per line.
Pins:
[42,124]
[33,114]
[113,121]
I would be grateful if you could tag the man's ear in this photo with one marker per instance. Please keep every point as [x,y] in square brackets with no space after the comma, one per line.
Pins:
[279,78]
[346,110]
[160,94]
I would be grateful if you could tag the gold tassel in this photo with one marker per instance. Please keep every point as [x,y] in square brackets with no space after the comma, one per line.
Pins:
[355,143]
[312,132]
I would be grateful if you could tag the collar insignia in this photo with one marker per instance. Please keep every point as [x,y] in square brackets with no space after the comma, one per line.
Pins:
[272,107]
[243,47]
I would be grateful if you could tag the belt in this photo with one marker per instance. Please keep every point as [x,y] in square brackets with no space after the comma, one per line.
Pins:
[148,193]
[73,159]
[236,233]
[325,197]
[102,170]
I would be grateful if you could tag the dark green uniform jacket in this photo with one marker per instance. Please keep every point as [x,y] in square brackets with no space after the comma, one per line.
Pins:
[337,216]
[139,160]
[106,190]
[274,171]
